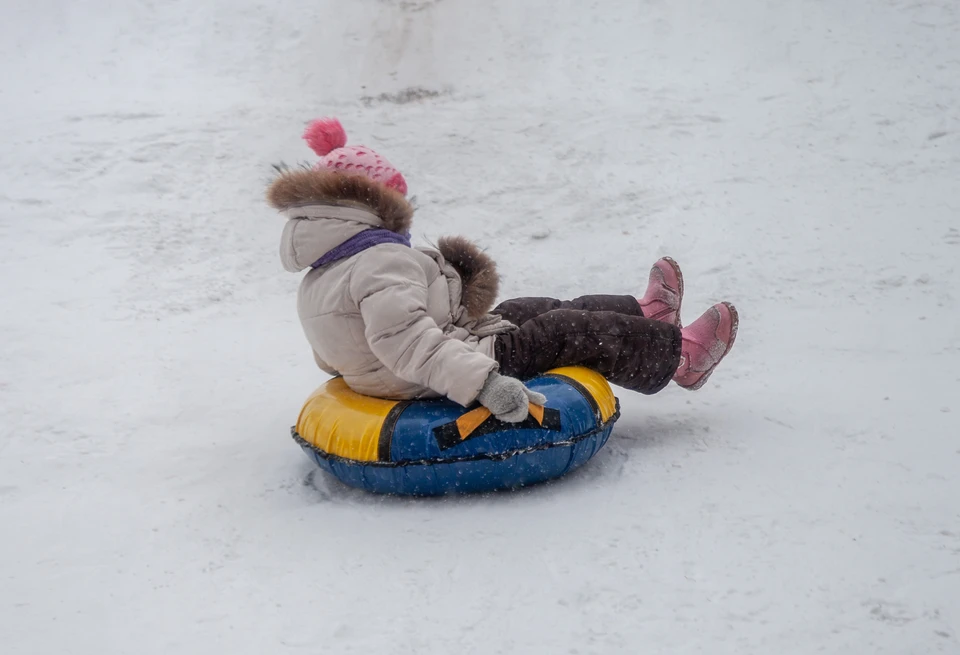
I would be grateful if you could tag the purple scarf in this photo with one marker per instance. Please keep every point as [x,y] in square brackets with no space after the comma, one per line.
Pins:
[360,242]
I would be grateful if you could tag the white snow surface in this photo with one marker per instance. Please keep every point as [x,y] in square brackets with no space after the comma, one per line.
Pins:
[800,159]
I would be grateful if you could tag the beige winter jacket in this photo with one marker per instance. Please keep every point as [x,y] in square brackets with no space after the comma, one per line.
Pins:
[395,322]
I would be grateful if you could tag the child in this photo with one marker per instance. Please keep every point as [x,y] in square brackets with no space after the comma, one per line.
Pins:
[402,323]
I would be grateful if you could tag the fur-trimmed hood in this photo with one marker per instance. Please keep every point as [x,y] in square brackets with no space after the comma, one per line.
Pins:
[326,208]
[478,274]
[296,189]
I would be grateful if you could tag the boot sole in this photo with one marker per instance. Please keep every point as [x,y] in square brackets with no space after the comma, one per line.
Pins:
[735,320]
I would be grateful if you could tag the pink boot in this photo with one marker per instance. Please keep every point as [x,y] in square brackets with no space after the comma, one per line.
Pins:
[705,342]
[664,293]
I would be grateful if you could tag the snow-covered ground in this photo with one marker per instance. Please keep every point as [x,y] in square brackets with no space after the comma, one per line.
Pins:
[798,158]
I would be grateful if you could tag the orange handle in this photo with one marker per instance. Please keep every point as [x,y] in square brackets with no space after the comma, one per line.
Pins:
[473,419]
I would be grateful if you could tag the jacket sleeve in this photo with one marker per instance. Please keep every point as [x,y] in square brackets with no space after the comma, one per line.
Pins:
[392,295]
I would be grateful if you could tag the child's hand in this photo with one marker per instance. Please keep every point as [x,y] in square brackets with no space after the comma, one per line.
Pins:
[507,398]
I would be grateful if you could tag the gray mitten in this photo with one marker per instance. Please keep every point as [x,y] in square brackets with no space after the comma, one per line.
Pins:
[507,398]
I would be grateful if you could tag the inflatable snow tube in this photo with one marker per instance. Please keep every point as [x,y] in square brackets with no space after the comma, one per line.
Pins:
[436,447]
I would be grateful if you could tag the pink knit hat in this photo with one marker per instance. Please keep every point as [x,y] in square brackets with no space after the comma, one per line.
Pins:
[327,138]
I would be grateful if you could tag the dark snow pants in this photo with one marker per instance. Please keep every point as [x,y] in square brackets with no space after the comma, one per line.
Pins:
[605,333]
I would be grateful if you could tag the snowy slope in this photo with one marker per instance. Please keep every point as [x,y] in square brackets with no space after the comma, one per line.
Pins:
[798,158]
